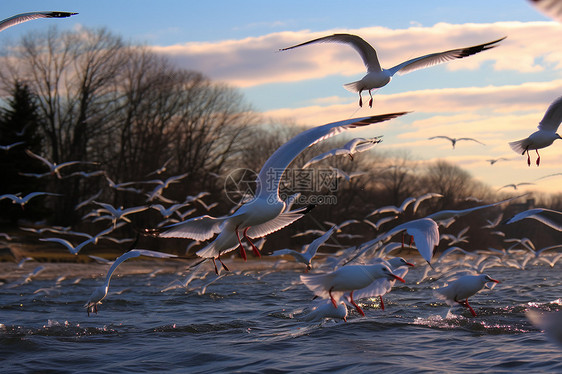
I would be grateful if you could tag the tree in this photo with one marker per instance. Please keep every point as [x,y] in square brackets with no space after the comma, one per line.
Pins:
[18,124]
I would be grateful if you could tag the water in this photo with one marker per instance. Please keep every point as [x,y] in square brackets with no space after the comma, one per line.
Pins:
[246,322]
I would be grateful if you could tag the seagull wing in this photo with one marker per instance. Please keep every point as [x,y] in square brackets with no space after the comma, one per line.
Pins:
[282,220]
[316,243]
[365,50]
[426,236]
[24,17]
[472,139]
[198,228]
[270,175]
[552,117]
[440,57]
[423,197]
[130,254]
[551,218]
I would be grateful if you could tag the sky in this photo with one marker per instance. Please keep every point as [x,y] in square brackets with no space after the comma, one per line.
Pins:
[496,96]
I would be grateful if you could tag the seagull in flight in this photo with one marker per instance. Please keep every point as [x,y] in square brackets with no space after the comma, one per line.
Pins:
[454,140]
[378,77]
[545,135]
[265,213]
[17,199]
[54,168]
[24,17]
[100,292]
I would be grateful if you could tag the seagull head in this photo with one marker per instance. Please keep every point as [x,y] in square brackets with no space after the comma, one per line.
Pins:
[490,279]
[386,271]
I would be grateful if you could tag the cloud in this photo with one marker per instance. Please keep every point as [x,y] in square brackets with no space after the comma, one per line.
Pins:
[530,47]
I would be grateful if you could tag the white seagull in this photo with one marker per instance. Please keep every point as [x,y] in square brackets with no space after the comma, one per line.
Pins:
[325,310]
[346,279]
[263,214]
[17,199]
[100,292]
[378,77]
[551,218]
[23,17]
[549,322]
[311,249]
[545,135]
[54,168]
[382,286]
[454,140]
[461,289]
[353,146]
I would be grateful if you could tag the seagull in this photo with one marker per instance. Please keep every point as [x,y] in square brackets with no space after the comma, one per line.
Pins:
[549,217]
[54,168]
[346,279]
[382,286]
[492,161]
[551,8]
[325,310]
[7,147]
[461,289]
[339,173]
[454,140]
[549,322]
[75,249]
[425,233]
[409,200]
[162,168]
[356,145]
[454,239]
[16,199]
[516,185]
[264,213]
[545,135]
[116,214]
[162,185]
[378,77]
[380,222]
[24,17]
[312,248]
[100,292]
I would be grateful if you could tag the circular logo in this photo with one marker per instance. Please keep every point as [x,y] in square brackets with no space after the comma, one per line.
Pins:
[240,185]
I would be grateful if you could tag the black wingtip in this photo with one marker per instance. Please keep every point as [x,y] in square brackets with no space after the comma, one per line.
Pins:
[61,14]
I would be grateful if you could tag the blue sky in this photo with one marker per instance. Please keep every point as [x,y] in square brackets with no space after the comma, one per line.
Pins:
[496,96]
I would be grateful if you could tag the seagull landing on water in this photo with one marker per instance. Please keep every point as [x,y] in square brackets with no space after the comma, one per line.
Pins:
[24,17]
[461,289]
[378,77]
[347,279]
[545,135]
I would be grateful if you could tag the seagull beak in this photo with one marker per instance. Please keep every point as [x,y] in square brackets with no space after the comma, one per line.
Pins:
[398,278]
[409,264]
[493,280]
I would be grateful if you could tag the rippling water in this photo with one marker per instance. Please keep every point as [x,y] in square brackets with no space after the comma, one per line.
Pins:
[246,322]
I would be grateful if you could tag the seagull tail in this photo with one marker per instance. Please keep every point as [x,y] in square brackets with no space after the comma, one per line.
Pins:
[519,146]
[352,87]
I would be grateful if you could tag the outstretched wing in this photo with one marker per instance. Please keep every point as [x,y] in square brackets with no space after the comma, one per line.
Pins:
[198,228]
[24,17]
[270,175]
[365,50]
[440,57]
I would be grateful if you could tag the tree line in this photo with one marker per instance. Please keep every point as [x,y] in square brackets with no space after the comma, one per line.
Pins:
[90,96]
